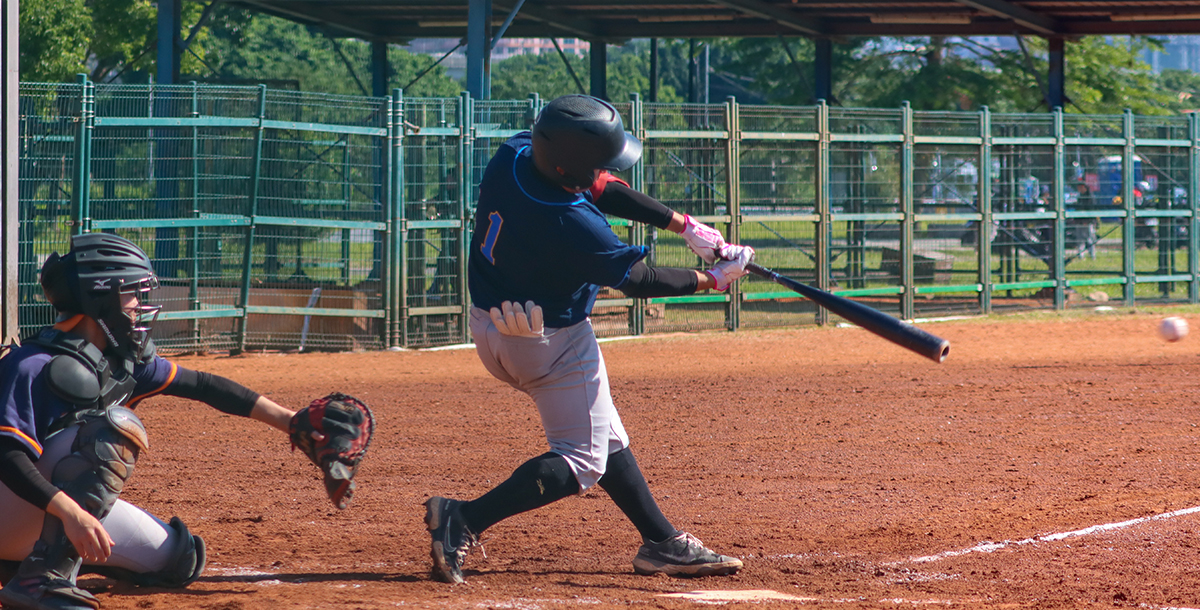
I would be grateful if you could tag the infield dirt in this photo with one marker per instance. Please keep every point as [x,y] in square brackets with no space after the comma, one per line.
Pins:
[825,458]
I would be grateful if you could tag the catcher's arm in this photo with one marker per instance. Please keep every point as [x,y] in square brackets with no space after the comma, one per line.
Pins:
[333,431]
[272,413]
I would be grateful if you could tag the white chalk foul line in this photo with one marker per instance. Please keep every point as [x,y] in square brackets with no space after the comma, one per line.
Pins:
[759,595]
[988,547]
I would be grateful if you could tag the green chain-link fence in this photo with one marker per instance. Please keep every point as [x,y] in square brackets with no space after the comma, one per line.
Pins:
[285,220]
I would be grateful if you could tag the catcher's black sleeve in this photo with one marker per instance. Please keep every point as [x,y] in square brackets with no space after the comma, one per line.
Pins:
[222,394]
[624,202]
[18,473]
[645,281]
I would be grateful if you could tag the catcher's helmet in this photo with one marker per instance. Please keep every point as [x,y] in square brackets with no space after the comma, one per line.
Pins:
[90,280]
[575,135]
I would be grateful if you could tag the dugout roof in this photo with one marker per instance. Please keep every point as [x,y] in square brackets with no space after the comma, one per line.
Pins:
[615,21]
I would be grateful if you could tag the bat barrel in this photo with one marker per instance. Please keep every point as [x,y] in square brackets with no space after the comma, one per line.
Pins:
[897,331]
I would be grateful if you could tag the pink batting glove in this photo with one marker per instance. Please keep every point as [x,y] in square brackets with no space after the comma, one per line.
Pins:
[733,266]
[702,239]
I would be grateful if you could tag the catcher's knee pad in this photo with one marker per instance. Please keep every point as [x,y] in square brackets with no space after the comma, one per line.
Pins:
[182,568]
[102,459]
[186,563]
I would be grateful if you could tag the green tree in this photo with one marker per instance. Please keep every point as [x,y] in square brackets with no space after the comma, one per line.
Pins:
[547,75]
[1183,87]
[780,69]
[260,47]
[125,31]
[54,39]
[103,38]
[1103,75]
[517,77]
[405,67]
[118,39]
[1106,77]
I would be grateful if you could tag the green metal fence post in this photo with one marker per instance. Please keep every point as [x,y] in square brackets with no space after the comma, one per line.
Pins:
[401,215]
[823,231]
[399,225]
[401,199]
[346,195]
[81,177]
[985,211]
[89,97]
[907,308]
[1193,202]
[386,262]
[637,179]
[733,200]
[252,211]
[1129,242]
[194,285]
[466,189]
[1059,269]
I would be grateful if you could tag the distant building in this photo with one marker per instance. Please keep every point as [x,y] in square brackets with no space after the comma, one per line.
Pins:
[1181,53]
[510,47]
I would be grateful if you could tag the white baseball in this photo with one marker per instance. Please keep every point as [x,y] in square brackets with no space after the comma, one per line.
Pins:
[1173,328]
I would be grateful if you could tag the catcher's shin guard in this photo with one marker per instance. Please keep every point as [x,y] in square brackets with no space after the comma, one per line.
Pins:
[93,475]
[182,569]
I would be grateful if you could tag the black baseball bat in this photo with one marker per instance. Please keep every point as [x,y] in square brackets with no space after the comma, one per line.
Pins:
[897,331]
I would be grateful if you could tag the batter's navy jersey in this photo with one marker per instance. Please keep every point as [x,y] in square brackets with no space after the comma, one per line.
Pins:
[30,407]
[536,242]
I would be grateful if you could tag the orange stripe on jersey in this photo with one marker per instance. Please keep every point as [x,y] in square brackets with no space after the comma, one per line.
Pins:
[24,437]
[136,399]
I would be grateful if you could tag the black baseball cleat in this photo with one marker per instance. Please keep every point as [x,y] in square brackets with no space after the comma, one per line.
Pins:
[45,593]
[683,555]
[451,540]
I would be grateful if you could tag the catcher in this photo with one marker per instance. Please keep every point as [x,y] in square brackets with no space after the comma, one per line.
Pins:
[69,438]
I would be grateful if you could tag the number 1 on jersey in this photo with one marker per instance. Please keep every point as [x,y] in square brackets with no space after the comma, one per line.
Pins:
[495,221]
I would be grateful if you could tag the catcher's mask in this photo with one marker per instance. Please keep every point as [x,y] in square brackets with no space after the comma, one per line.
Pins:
[108,279]
[576,135]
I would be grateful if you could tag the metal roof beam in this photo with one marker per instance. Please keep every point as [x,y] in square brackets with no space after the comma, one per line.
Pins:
[333,26]
[579,28]
[1018,14]
[783,17]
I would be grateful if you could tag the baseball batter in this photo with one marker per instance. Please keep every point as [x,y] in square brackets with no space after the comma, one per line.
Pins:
[69,439]
[541,250]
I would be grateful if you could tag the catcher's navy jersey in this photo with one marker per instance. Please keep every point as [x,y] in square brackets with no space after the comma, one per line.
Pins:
[29,405]
[534,241]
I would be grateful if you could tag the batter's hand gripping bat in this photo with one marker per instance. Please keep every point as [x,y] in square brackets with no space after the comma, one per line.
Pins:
[901,333]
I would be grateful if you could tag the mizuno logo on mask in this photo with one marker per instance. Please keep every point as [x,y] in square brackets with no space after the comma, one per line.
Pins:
[101,284]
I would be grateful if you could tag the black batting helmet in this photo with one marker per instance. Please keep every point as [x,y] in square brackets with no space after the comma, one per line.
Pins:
[90,280]
[575,135]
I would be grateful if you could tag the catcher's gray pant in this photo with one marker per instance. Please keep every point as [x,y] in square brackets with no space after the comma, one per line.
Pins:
[564,373]
[143,543]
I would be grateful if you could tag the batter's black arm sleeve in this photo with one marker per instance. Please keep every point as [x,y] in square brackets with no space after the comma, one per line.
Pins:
[18,473]
[623,202]
[645,282]
[224,395]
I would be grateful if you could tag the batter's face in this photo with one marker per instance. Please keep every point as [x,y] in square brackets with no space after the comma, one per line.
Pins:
[579,189]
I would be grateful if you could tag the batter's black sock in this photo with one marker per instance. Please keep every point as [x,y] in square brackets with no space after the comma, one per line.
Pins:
[544,479]
[627,487]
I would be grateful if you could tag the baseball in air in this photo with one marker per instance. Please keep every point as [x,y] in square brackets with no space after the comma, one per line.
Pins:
[1173,328]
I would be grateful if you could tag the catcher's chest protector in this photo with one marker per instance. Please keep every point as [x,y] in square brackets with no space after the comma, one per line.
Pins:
[82,375]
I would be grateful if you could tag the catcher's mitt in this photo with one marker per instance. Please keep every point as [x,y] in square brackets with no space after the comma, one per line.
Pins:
[345,425]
